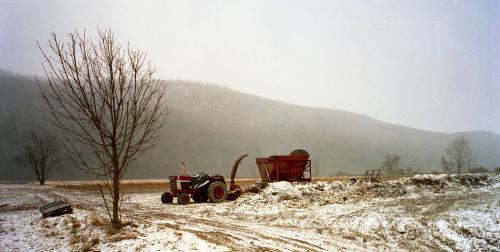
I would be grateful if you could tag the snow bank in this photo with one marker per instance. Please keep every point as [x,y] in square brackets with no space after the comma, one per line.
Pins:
[449,212]
[303,195]
[453,179]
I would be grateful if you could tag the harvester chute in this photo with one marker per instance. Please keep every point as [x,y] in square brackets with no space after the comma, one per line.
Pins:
[234,189]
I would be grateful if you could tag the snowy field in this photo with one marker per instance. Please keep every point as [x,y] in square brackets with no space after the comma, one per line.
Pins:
[425,212]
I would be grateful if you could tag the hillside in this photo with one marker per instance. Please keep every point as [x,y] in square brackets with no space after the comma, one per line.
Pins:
[209,126]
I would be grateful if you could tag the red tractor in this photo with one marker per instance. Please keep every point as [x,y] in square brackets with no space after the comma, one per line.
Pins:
[202,187]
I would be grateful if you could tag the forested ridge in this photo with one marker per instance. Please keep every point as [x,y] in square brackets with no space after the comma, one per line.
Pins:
[209,126]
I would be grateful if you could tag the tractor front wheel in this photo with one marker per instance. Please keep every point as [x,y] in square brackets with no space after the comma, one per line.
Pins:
[167,198]
[217,192]
[183,199]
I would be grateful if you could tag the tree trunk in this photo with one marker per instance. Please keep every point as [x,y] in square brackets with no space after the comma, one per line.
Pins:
[116,199]
[42,172]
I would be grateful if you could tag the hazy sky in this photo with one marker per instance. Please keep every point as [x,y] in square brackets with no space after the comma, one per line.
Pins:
[433,65]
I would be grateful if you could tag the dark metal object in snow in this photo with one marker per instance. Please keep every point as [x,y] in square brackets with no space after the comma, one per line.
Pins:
[372,175]
[55,208]
[293,167]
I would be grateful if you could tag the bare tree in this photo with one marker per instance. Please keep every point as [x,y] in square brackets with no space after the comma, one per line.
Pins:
[459,154]
[41,153]
[409,170]
[446,164]
[472,163]
[104,98]
[391,164]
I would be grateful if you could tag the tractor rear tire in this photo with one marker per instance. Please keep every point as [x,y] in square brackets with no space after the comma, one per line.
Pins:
[183,199]
[167,198]
[200,195]
[217,192]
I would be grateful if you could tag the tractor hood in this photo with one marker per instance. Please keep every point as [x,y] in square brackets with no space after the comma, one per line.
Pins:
[199,180]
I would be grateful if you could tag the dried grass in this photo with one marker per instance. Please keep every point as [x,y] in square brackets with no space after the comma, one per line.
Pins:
[357,177]
[75,224]
[82,238]
[75,239]
[97,221]
[45,223]
[83,243]
[163,184]
[90,244]
[126,185]
[126,235]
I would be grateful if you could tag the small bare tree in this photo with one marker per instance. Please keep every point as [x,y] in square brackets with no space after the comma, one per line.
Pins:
[41,153]
[391,164]
[104,98]
[446,165]
[459,154]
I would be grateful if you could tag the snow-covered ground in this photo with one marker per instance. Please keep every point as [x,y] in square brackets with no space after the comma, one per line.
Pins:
[425,212]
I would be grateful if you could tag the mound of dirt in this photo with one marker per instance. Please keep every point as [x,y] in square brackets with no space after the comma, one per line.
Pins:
[450,182]
[338,192]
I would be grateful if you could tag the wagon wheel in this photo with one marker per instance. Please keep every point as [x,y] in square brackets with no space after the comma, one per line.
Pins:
[167,198]
[183,199]
[200,195]
[217,192]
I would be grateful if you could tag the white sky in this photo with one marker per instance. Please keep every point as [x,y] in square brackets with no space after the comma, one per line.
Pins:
[426,64]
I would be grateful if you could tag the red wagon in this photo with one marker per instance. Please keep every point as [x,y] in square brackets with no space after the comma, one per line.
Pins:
[293,167]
